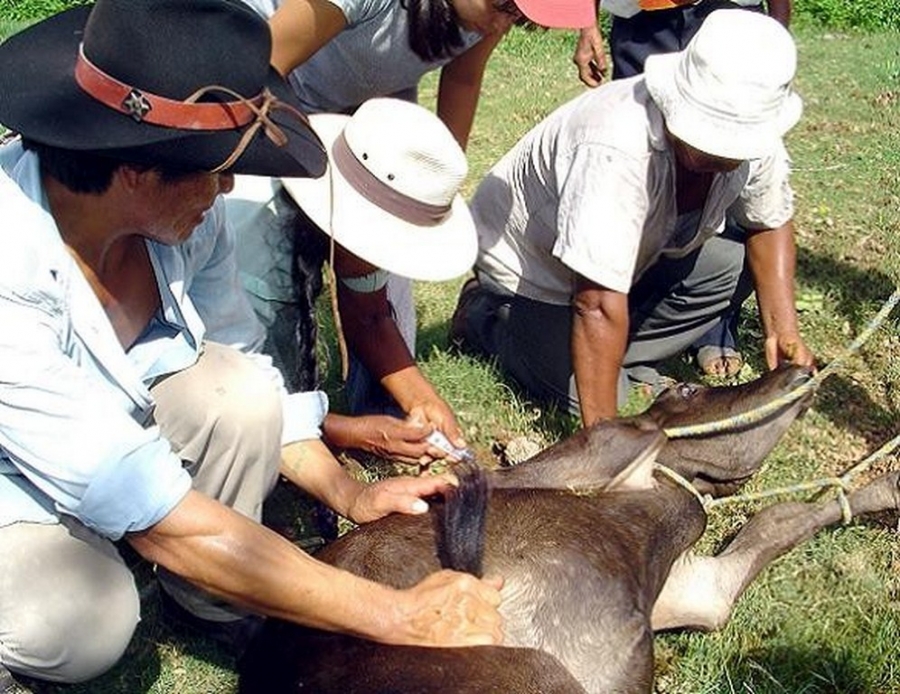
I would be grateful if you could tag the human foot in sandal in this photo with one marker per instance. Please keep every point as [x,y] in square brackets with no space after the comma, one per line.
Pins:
[723,362]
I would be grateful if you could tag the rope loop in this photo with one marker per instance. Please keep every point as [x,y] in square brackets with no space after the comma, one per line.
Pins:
[842,484]
[262,110]
[705,500]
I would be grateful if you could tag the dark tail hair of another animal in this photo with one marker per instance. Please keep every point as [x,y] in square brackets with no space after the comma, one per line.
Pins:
[461,525]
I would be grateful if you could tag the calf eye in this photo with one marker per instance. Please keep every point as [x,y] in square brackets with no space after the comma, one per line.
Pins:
[687,390]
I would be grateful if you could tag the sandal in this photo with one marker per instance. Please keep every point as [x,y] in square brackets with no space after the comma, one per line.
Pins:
[722,362]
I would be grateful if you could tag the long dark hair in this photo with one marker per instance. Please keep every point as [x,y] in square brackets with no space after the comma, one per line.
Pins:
[434,30]
[309,249]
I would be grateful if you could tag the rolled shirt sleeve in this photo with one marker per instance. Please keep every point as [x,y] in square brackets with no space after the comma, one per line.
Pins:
[767,200]
[602,207]
[68,432]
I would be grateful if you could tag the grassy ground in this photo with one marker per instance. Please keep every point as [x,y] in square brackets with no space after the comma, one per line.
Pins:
[825,619]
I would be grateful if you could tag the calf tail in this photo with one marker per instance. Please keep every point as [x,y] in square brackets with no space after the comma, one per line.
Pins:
[461,525]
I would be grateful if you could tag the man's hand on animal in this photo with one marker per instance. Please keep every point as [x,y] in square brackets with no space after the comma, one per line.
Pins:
[449,608]
[312,467]
[788,347]
[396,495]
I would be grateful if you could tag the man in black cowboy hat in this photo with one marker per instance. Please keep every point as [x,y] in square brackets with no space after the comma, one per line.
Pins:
[133,402]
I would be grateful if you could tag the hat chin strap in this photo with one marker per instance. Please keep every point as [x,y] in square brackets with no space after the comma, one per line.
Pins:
[273,132]
[146,107]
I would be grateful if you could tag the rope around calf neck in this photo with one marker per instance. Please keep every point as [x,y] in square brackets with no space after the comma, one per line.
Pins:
[841,483]
[763,411]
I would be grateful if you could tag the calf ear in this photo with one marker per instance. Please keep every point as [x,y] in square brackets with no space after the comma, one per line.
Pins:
[638,474]
[672,403]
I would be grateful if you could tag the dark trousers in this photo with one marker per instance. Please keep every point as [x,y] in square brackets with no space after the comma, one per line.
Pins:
[633,40]
[676,302]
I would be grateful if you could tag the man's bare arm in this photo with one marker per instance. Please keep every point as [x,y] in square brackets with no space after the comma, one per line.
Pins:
[599,339]
[243,562]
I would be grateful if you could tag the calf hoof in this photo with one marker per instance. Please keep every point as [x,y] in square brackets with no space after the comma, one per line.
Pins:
[881,494]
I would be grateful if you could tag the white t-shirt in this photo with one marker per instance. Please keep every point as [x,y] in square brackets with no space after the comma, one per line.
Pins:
[591,190]
[371,57]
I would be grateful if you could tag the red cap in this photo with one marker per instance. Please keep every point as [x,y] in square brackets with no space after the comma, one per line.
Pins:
[560,14]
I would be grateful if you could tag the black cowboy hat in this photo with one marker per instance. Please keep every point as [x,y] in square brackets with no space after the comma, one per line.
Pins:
[184,83]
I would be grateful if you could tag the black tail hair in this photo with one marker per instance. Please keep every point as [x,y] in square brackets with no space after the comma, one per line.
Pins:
[461,526]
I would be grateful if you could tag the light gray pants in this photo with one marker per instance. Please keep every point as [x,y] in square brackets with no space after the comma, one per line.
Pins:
[68,603]
[676,302]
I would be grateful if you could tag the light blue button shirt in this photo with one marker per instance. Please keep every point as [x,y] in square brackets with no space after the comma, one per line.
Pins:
[76,433]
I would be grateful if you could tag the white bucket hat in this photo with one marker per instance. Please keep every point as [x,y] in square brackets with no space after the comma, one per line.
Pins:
[391,193]
[729,92]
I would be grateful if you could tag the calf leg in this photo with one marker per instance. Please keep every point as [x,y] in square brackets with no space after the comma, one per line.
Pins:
[700,592]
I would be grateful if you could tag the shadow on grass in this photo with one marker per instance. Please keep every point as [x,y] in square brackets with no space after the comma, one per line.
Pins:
[158,659]
[857,295]
[136,672]
[855,291]
[778,669]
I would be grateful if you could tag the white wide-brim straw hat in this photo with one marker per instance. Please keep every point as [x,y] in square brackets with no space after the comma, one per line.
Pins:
[728,93]
[391,192]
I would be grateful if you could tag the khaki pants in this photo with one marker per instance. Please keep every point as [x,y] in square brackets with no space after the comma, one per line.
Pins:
[68,603]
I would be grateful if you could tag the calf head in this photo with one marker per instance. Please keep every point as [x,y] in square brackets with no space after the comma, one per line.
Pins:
[719,463]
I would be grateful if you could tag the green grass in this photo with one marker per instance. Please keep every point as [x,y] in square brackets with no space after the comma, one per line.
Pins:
[10,26]
[840,14]
[28,10]
[826,618]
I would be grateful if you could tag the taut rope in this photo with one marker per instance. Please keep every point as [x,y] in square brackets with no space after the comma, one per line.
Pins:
[756,415]
[841,483]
